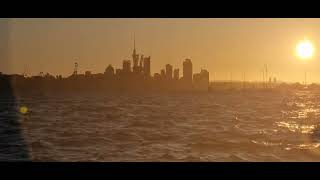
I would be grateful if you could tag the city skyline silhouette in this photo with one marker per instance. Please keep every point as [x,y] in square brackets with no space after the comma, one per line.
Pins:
[134,75]
[222,46]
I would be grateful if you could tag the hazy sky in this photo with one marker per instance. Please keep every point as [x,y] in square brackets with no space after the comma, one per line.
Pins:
[222,46]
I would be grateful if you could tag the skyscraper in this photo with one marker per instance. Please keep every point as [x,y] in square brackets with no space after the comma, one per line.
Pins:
[204,75]
[146,66]
[168,72]
[163,74]
[126,66]
[176,74]
[187,71]
[135,58]
[141,63]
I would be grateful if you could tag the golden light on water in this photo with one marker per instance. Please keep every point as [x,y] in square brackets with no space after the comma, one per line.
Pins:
[305,49]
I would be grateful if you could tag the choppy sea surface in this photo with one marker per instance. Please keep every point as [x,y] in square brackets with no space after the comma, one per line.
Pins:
[217,126]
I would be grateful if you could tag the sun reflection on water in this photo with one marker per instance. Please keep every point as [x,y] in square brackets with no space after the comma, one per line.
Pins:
[300,116]
[295,127]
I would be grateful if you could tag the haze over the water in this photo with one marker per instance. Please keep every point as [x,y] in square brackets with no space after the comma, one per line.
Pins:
[222,46]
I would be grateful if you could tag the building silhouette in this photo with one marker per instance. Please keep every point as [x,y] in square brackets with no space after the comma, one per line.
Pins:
[127,78]
[187,71]
[75,70]
[126,66]
[87,73]
[118,72]
[109,71]
[157,76]
[201,80]
[135,59]
[140,67]
[141,64]
[146,66]
[163,74]
[168,72]
[176,74]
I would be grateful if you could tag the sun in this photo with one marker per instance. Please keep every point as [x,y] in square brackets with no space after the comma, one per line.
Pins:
[304,49]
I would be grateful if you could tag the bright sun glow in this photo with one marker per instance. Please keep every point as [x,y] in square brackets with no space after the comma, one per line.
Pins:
[305,49]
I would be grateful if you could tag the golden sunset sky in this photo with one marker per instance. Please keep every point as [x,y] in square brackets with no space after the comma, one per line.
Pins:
[222,46]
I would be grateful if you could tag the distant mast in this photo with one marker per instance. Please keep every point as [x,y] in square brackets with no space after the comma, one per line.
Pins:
[26,70]
[305,78]
[231,80]
[266,79]
[244,80]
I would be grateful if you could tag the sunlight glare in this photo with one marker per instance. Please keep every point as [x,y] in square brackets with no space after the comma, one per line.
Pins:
[305,49]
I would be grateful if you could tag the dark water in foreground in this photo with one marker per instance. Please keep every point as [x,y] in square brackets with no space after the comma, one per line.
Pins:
[221,126]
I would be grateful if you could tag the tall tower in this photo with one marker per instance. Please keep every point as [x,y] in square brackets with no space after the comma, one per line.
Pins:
[168,72]
[135,57]
[134,48]
[75,70]
[187,71]
[146,66]
[163,74]
[176,74]
[141,64]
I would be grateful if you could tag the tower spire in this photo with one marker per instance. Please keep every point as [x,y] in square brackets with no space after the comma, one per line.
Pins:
[134,46]
[135,57]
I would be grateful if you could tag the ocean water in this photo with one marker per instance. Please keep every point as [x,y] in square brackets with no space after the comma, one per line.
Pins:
[217,126]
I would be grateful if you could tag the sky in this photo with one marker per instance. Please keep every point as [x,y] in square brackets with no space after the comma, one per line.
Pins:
[222,46]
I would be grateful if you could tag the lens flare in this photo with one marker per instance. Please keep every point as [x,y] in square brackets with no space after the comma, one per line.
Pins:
[23,110]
